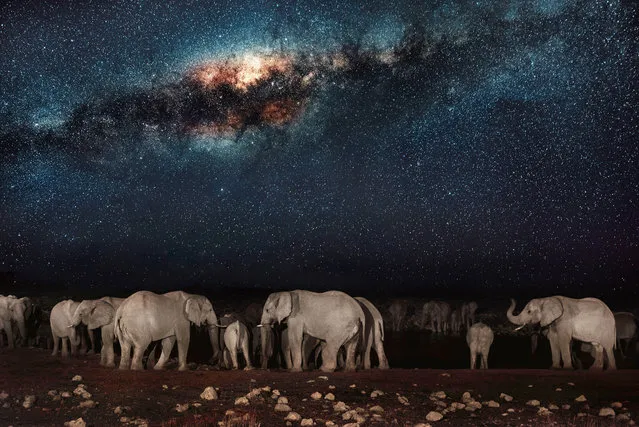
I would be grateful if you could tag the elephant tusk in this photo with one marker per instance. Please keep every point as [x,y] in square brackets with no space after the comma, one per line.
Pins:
[520,327]
[260,326]
[70,326]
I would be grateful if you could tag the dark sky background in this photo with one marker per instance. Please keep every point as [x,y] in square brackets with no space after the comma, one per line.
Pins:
[484,145]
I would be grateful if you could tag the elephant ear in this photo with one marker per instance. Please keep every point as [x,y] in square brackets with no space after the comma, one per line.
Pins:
[551,310]
[284,306]
[101,314]
[193,311]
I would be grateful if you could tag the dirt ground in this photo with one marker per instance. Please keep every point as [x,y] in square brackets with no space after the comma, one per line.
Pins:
[152,396]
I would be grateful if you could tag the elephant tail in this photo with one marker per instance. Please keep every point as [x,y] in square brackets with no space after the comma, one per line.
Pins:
[380,327]
[117,330]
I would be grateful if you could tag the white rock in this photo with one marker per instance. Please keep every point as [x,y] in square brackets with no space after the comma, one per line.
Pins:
[209,393]
[466,397]
[565,406]
[329,423]
[352,386]
[310,381]
[571,384]
[52,393]
[79,390]
[445,374]
[293,416]
[322,377]
[316,396]
[511,410]
[457,405]
[582,414]
[340,407]
[506,397]
[423,424]
[434,416]
[196,404]
[351,425]
[622,417]
[403,400]
[28,401]
[88,404]
[282,407]
[3,395]
[266,389]
[542,411]
[439,395]
[86,395]
[182,407]
[376,393]
[616,405]
[241,401]
[253,393]
[580,398]
[65,394]
[118,410]
[76,378]
[307,422]
[553,407]
[533,402]
[493,404]
[472,406]
[606,412]
[276,392]
[377,409]
[75,423]
[331,387]
[558,389]
[329,396]
[283,400]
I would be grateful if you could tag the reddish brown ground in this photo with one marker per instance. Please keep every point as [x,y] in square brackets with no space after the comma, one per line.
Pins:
[34,371]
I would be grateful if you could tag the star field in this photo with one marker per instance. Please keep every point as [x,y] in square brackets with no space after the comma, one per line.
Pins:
[380,145]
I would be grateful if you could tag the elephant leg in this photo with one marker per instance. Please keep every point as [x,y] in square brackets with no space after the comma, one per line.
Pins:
[554,350]
[473,358]
[484,359]
[351,349]
[295,335]
[107,355]
[167,346]
[56,341]
[564,348]
[288,358]
[367,353]
[329,357]
[138,353]
[9,331]
[381,355]
[125,354]
[65,346]
[234,360]
[598,355]
[183,341]
[247,355]
[612,364]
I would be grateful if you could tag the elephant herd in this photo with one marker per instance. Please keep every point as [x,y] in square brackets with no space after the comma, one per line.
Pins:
[301,329]
[295,329]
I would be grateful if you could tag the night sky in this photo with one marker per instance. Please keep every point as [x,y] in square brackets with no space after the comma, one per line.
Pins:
[482,145]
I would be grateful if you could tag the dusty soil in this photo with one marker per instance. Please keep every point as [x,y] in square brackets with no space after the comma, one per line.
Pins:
[153,395]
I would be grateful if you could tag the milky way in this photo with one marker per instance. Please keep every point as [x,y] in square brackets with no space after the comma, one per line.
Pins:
[453,145]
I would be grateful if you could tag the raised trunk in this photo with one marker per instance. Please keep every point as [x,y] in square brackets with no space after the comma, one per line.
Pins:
[512,318]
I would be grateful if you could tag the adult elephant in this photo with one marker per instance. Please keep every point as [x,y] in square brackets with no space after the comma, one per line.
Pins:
[333,317]
[373,333]
[626,327]
[468,310]
[145,317]
[14,312]
[437,314]
[95,314]
[587,319]
[398,310]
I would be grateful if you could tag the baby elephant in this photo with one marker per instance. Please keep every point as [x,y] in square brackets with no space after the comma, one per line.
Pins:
[236,338]
[479,338]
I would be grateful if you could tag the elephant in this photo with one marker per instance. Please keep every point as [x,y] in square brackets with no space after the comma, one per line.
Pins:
[398,310]
[95,314]
[626,327]
[455,321]
[587,319]
[437,314]
[16,311]
[468,310]
[331,316]
[373,333]
[146,316]
[236,338]
[479,339]
[61,319]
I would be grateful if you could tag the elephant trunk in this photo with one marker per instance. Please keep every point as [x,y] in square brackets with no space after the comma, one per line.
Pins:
[214,336]
[266,331]
[23,331]
[76,319]
[75,339]
[517,320]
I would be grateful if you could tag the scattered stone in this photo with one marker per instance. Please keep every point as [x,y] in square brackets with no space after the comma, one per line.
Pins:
[65,394]
[330,423]
[582,414]
[282,407]
[533,402]
[565,407]
[542,411]
[572,384]
[340,407]
[125,420]
[52,393]
[253,393]
[553,407]
[511,410]
[241,401]
[331,387]
[445,374]
[283,400]
[441,403]
[558,389]
[322,377]
[118,410]
[376,393]
[316,396]
[293,416]
[493,404]
[506,397]
[580,398]
[377,409]
[434,416]
[438,395]
[165,387]
[182,407]
[196,404]
[28,401]
[266,389]
[276,392]
[472,406]
[88,404]
[422,425]
[622,417]
[403,400]
[307,422]
[77,378]
[616,405]
[329,396]
[209,393]
[352,386]
[75,423]
[530,386]
[457,405]
[351,425]
[606,412]
[466,397]
[310,381]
